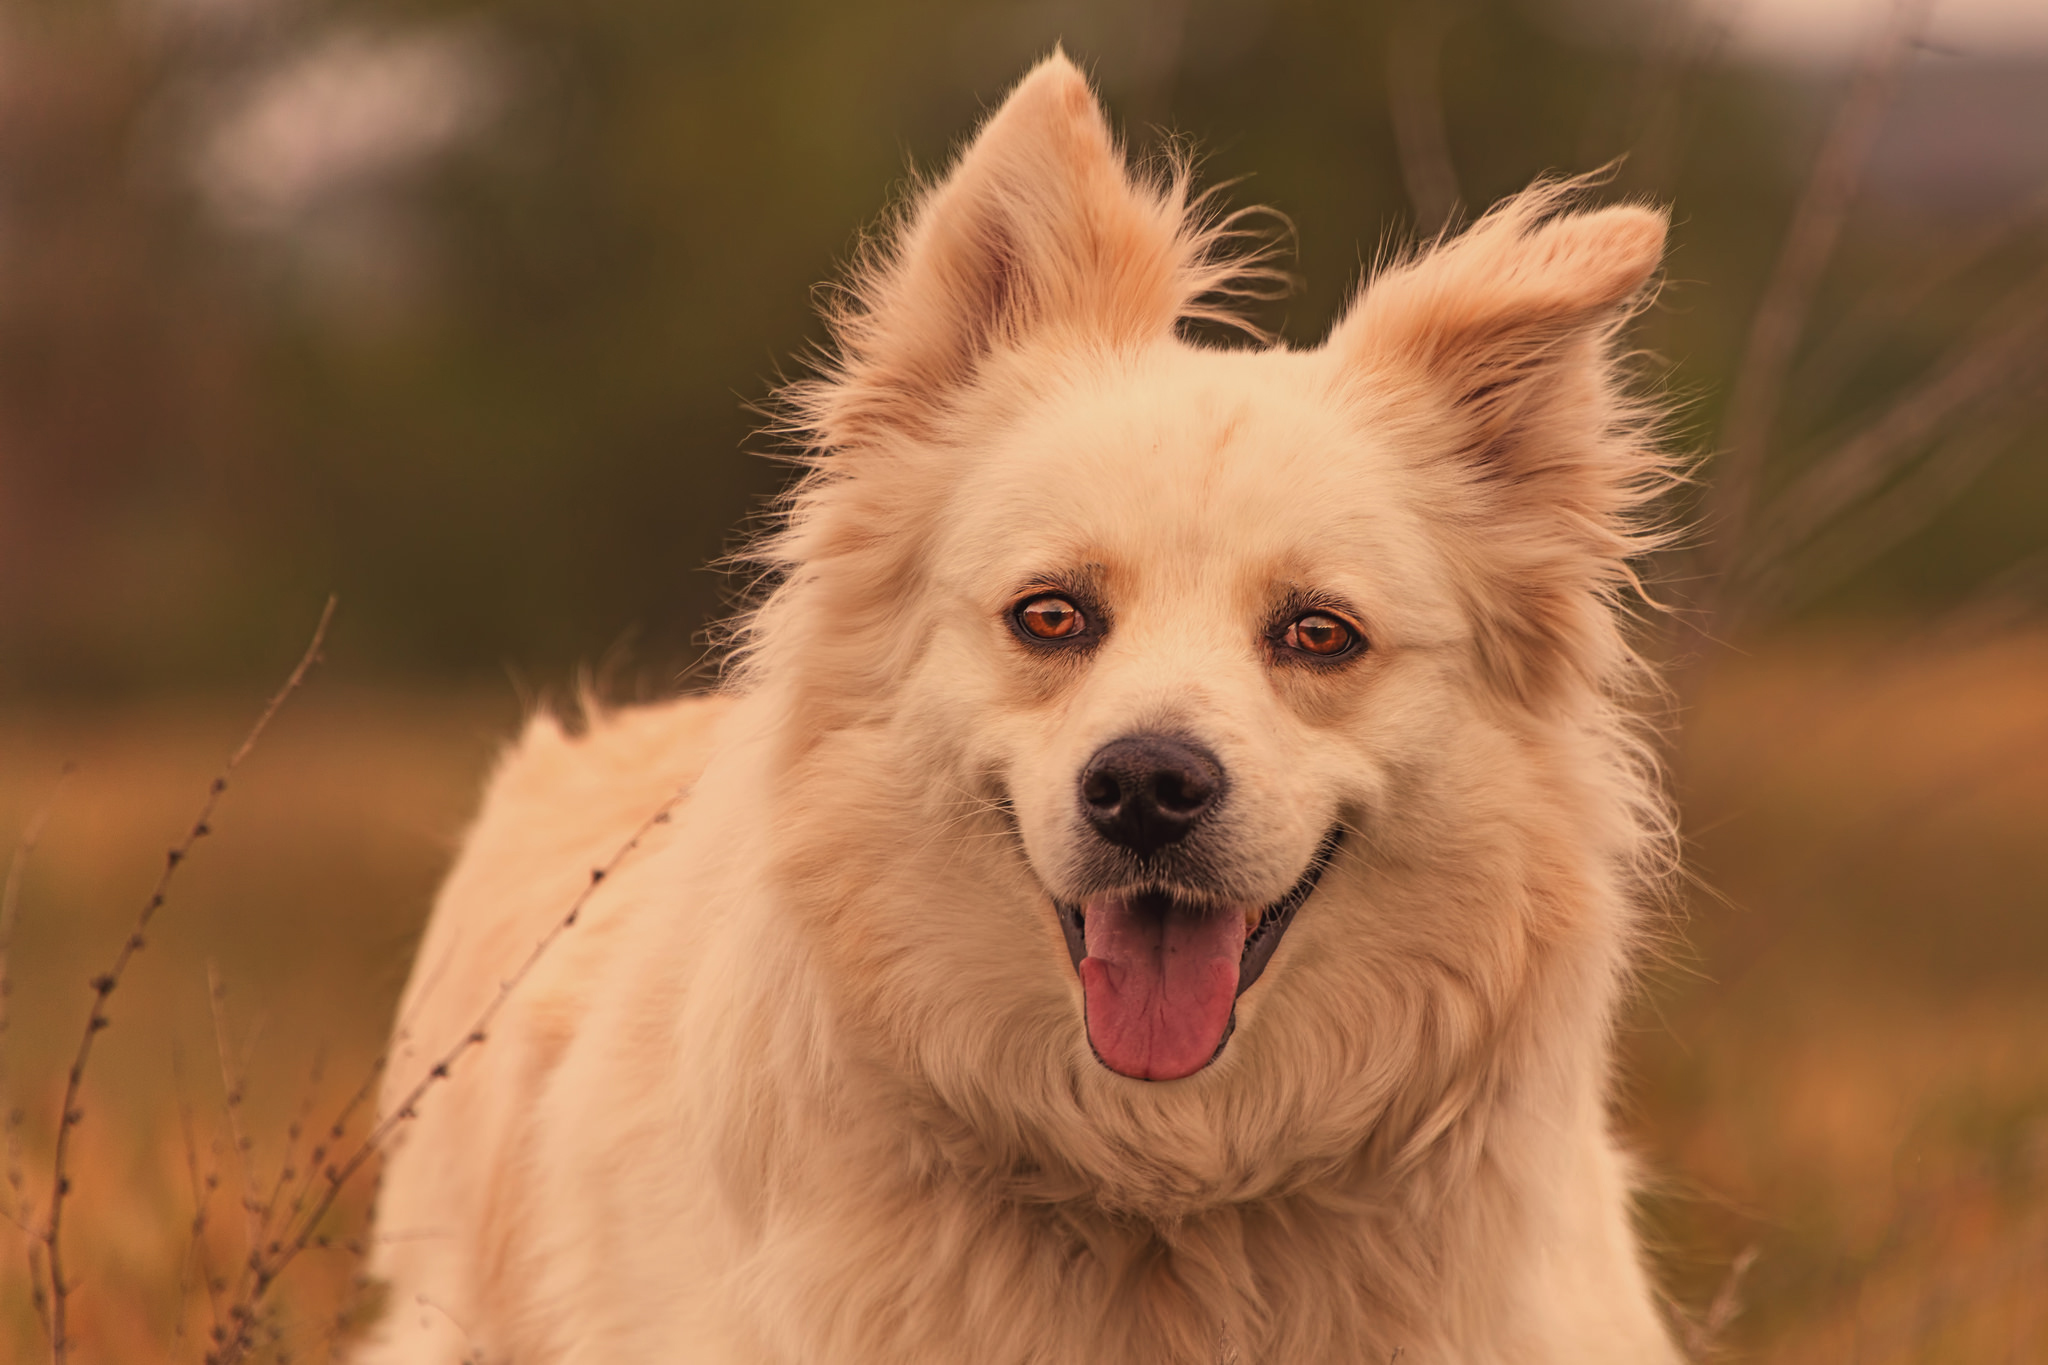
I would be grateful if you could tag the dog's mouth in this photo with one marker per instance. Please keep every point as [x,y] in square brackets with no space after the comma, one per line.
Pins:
[1161,971]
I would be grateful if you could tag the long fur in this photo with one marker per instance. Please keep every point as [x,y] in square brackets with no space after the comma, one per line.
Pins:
[811,1083]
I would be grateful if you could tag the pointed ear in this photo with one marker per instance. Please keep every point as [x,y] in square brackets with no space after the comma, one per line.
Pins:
[1039,227]
[1500,342]
[1499,317]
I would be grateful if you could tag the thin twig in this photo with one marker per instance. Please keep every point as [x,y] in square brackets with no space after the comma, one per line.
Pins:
[1998,603]
[70,1115]
[1810,244]
[1157,60]
[268,1230]
[10,902]
[231,1089]
[1415,104]
[316,1167]
[11,1115]
[267,1265]
[1788,582]
[1865,462]
[197,1250]
[1837,358]
[1660,112]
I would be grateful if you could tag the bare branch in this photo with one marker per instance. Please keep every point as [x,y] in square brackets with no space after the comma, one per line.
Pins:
[1892,517]
[1810,244]
[1161,35]
[269,1229]
[10,901]
[1415,103]
[231,1089]
[10,890]
[1997,604]
[1861,465]
[1852,339]
[197,1251]
[10,1115]
[1660,112]
[268,1262]
[70,1115]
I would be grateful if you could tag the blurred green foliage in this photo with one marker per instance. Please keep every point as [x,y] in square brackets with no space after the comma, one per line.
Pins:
[497,398]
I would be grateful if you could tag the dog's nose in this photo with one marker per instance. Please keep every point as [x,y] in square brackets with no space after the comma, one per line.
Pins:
[1147,791]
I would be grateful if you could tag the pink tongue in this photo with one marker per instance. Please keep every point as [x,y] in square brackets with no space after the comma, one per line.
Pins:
[1159,987]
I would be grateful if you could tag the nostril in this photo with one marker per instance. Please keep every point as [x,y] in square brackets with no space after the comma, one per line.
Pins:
[1181,793]
[1101,790]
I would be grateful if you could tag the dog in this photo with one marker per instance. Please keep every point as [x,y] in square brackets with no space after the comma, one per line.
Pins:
[1159,877]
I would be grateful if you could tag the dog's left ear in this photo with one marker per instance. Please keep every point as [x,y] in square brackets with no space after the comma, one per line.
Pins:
[1038,229]
[1500,344]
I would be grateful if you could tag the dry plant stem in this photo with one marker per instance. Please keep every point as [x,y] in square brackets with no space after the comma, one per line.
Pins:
[10,1115]
[268,1262]
[1835,360]
[1415,103]
[1865,462]
[287,1173]
[104,985]
[10,901]
[265,1240]
[1792,581]
[315,1165]
[1161,36]
[1998,603]
[1659,117]
[203,1187]
[231,1090]
[196,1252]
[1788,298]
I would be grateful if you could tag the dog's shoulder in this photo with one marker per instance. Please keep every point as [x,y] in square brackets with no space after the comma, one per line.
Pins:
[561,802]
[605,775]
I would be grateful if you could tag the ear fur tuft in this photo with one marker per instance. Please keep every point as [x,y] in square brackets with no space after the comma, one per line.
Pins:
[1484,311]
[1501,340]
[1039,228]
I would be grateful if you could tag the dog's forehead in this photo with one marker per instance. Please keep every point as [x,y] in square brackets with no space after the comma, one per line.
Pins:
[1253,457]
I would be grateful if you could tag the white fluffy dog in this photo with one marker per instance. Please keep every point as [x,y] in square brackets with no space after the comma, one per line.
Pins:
[1159,883]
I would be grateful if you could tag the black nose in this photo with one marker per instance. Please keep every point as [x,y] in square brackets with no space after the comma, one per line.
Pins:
[1147,791]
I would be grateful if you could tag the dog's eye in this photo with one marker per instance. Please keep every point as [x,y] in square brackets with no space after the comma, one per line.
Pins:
[1051,618]
[1319,634]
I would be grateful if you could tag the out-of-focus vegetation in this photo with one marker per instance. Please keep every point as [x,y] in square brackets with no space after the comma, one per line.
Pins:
[458,310]
[461,312]
[1843,1071]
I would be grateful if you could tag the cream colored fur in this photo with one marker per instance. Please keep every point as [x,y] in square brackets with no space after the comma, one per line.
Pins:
[809,1082]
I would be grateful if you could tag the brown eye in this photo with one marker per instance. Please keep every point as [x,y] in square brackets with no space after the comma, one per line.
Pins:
[1051,618]
[1319,634]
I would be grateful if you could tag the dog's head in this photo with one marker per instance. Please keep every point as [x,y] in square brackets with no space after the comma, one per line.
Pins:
[1235,718]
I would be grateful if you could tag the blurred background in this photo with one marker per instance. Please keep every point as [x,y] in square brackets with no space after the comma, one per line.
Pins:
[463,312]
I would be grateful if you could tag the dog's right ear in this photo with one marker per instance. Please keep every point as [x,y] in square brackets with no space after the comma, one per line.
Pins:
[1039,229]
[1508,332]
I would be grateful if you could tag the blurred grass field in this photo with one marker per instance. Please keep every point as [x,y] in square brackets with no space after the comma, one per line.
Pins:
[1837,1076]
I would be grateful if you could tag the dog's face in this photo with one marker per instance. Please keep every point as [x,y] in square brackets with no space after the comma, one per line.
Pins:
[1173,703]
[1198,623]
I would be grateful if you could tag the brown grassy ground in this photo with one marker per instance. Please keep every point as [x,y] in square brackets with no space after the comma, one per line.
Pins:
[1848,1068]
[1844,1072]
[306,900]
